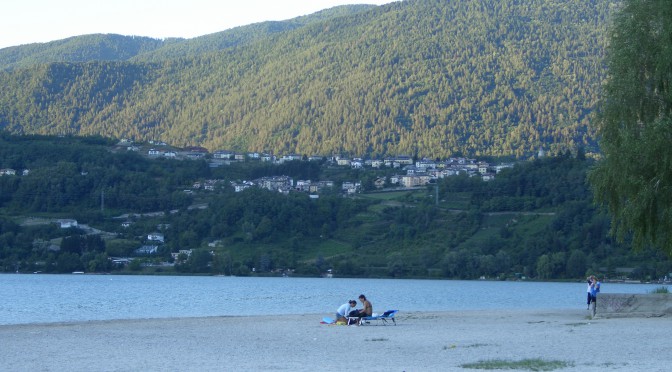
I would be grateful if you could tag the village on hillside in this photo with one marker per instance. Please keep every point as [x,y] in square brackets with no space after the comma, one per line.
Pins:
[411,173]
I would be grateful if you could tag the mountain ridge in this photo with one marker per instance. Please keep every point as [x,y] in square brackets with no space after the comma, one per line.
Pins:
[419,77]
[83,48]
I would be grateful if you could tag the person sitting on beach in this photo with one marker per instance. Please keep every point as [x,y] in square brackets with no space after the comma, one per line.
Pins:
[366,310]
[344,311]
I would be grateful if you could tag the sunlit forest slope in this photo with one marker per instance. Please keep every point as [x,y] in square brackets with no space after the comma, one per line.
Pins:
[418,77]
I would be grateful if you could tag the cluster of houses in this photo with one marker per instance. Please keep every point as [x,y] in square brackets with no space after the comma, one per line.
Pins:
[417,174]
[151,247]
[282,184]
[13,172]
[412,173]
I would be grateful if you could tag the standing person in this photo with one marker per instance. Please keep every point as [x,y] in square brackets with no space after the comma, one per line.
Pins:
[594,290]
[589,295]
[344,311]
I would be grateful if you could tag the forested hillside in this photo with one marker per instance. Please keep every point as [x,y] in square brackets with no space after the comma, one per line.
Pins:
[420,77]
[536,219]
[78,49]
[244,35]
[112,47]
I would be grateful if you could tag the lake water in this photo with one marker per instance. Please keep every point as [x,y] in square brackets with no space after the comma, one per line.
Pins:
[38,298]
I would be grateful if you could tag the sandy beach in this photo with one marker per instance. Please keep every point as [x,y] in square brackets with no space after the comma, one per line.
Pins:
[420,341]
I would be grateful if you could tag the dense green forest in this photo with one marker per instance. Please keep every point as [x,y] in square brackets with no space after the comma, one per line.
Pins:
[418,77]
[97,47]
[536,219]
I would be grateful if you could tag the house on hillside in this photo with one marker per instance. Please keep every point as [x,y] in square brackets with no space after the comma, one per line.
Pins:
[452,171]
[316,187]
[501,167]
[343,162]
[398,161]
[303,185]
[67,223]
[223,154]
[410,180]
[290,157]
[194,155]
[411,169]
[425,164]
[185,252]
[351,187]
[240,186]
[488,177]
[155,237]
[377,163]
[404,160]
[120,261]
[275,183]
[147,250]
[483,168]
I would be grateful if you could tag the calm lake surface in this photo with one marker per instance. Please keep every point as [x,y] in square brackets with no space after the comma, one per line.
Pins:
[37,298]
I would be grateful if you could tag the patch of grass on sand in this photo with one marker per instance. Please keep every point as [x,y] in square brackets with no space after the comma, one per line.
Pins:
[453,346]
[526,364]
[662,289]
[477,345]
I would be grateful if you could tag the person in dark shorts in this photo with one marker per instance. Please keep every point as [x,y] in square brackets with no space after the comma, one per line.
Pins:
[366,310]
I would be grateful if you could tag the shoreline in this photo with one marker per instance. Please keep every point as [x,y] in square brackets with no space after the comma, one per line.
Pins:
[421,341]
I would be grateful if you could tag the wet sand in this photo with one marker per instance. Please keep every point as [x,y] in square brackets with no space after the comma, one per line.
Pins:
[421,341]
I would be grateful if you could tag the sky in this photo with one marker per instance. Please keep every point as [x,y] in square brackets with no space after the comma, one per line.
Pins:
[39,21]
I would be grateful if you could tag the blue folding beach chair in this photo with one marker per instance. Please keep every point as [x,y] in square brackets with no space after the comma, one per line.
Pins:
[388,315]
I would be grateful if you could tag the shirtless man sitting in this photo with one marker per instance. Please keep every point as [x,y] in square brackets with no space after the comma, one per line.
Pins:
[367,309]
